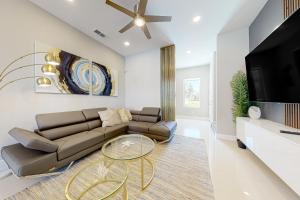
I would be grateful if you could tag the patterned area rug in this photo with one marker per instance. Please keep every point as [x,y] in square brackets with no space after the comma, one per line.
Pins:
[181,172]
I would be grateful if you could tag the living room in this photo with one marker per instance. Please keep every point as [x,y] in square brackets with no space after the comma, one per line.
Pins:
[137,99]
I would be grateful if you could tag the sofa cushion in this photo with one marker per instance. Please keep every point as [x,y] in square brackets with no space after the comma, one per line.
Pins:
[54,120]
[142,127]
[73,144]
[163,128]
[143,118]
[25,162]
[99,129]
[32,140]
[94,124]
[56,133]
[111,132]
[135,112]
[156,137]
[135,117]
[92,114]
[150,111]
[152,119]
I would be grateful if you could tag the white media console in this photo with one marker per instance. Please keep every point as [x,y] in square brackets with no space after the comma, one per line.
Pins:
[280,152]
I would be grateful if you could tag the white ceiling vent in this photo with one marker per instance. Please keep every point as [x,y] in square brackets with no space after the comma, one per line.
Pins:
[99,33]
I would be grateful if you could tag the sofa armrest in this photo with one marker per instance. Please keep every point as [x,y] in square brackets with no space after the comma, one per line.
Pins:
[32,140]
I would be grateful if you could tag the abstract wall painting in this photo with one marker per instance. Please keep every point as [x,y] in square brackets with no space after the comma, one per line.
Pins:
[104,80]
[75,75]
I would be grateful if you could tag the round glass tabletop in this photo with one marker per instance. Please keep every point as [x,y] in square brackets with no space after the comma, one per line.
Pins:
[128,147]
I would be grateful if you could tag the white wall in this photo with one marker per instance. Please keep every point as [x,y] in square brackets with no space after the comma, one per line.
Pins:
[201,72]
[142,80]
[21,24]
[232,47]
[212,89]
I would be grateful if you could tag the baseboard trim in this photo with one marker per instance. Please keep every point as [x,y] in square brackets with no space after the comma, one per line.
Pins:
[192,117]
[225,137]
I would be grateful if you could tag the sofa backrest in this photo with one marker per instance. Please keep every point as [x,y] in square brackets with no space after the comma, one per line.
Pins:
[147,114]
[56,125]
[150,111]
[92,117]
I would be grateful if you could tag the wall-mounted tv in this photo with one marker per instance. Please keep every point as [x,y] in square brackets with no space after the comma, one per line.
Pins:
[273,68]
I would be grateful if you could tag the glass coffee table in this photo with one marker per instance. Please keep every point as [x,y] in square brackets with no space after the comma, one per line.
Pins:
[100,180]
[132,147]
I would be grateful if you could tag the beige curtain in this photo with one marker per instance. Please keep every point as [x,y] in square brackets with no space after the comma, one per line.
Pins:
[168,83]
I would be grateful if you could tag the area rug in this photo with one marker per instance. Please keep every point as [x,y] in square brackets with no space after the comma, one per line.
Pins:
[181,172]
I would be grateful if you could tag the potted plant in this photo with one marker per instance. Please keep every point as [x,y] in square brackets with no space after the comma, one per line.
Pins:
[240,95]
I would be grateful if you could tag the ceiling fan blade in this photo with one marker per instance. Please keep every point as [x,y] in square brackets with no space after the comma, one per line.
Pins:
[120,8]
[151,18]
[127,27]
[142,7]
[136,8]
[146,31]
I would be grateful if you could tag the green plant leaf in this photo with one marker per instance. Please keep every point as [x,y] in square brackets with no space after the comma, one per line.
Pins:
[240,95]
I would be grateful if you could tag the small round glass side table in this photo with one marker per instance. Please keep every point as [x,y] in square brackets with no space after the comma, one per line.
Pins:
[131,148]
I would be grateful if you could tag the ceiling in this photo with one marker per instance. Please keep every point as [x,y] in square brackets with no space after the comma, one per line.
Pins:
[198,38]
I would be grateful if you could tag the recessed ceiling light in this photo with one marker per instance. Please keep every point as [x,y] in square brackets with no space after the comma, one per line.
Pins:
[197,19]
[188,52]
[127,44]
[70,0]
[246,193]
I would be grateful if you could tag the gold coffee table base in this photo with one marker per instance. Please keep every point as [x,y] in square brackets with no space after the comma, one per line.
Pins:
[132,148]
[143,185]
[121,184]
[142,171]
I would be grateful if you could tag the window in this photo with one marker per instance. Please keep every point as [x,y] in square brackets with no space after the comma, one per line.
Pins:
[192,93]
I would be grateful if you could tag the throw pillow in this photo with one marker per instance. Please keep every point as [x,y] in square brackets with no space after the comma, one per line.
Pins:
[123,115]
[110,117]
[128,113]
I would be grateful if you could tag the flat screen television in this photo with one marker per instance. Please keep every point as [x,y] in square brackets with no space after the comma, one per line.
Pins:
[273,68]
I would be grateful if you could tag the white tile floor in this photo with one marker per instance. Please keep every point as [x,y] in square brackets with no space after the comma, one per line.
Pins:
[236,174]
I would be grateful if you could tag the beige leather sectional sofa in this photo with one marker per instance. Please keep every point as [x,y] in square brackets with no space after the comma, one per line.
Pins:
[68,136]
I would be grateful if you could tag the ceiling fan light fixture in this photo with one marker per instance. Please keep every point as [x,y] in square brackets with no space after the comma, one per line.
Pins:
[196,19]
[139,21]
[139,18]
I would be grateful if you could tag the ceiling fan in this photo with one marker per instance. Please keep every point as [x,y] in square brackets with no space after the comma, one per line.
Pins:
[139,17]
